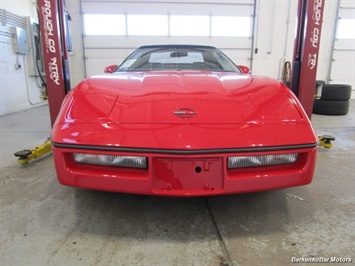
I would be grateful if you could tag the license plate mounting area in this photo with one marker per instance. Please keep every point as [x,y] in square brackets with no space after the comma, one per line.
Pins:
[188,174]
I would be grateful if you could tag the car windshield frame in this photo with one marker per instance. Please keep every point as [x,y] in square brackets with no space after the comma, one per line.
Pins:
[177,58]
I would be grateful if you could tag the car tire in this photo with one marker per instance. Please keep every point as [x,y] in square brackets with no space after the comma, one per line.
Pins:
[336,92]
[323,107]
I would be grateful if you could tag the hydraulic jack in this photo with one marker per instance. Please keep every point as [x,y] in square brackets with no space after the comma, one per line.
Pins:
[25,156]
[326,141]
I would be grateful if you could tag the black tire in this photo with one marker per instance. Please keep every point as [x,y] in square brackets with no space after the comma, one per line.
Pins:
[336,92]
[322,107]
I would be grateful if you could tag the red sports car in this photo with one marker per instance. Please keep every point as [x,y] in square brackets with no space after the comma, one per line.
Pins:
[182,120]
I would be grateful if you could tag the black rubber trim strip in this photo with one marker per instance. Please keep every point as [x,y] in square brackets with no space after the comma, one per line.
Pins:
[184,152]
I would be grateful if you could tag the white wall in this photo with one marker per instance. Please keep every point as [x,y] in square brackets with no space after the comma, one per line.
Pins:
[274,30]
[274,36]
[77,69]
[18,91]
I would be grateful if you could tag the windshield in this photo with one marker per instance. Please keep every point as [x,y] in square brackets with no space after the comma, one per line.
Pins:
[177,58]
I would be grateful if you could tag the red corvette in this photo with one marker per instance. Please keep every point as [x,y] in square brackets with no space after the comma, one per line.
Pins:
[182,120]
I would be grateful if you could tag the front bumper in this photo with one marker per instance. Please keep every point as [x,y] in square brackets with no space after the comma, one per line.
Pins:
[184,173]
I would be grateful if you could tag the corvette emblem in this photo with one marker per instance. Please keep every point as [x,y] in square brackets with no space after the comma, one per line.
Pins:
[185,113]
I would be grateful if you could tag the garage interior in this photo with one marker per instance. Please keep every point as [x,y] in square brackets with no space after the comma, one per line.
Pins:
[45,223]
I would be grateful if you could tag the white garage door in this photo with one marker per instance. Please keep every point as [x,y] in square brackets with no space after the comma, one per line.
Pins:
[342,68]
[112,30]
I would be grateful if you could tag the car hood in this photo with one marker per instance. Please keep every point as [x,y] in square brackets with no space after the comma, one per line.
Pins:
[182,97]
[222,110]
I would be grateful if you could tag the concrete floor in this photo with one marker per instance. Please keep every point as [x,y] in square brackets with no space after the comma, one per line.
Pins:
[44,223]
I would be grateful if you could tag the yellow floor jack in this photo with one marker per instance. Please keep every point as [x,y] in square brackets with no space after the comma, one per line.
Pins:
[25,156]
[326,141]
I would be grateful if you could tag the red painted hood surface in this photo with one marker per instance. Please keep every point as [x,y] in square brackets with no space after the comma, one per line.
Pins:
[139,109]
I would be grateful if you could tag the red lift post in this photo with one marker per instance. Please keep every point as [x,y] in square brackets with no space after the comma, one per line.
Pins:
[52,21]
[306,50]
[53,27]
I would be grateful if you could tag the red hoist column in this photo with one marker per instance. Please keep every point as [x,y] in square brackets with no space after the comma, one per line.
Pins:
[306,50]
[52,27]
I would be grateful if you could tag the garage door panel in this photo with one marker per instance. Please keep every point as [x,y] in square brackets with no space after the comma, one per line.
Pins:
[174,1]
[101,51]
[233,10]
[122,8]
[123,41]
[141,9]
[348,4]
[218,10]
[136,41]
[239,57]
[344,55]
[96,66]
[103,8]
[338,69]
[345,44]
[114,54]
[230,42]
[241,9]
[342,66]
[345,81]
[347,12]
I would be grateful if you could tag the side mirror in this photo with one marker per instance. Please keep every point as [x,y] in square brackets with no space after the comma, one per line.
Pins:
[245,69]
[110,68]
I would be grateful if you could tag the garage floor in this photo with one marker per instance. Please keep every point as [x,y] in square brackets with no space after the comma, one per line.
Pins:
[44,223]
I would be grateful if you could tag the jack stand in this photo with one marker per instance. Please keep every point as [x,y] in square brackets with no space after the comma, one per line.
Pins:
[326,141]
[25,156]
